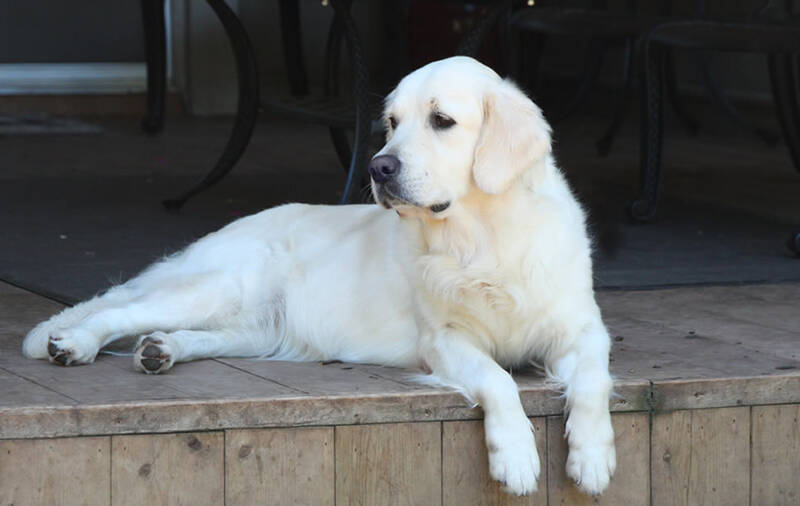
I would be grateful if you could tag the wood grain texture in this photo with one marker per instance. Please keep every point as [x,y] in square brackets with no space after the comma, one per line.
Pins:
[168,469]
[720,463]
[630,485]
[776,455]
[670,457]
[279,467]
[465,467]
[20,392]
[727,391]
[55,471]
[389,464]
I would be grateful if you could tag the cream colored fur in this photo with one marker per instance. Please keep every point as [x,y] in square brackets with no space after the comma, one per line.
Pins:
[500,277]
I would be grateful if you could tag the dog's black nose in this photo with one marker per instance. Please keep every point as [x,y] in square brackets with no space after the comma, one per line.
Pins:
[383,168]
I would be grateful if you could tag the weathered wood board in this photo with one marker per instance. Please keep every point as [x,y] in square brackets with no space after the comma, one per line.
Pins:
[776,455]
[465,467]
[279,467]
[55,471]
[630,484]
[168,469]
[388,464]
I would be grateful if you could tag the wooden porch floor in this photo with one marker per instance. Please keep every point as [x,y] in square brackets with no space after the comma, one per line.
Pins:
[706,412]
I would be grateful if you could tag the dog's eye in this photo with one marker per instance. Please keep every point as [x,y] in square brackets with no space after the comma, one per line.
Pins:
[441,121]
[392,122]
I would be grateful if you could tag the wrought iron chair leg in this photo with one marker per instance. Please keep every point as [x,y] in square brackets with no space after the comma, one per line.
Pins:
[719,97]
[156,54]
[248,105]
[333,49]
[793,243]
[293,46]
[690,124]
[623,99]
[470,44]
[533,46]
[643,209]
[593,61]
[784,95]
[363,126]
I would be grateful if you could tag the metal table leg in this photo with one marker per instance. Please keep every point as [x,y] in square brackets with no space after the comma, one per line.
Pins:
[156,54]
[363,126]
[293,46]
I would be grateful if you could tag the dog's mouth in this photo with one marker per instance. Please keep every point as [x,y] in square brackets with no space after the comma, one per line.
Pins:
[390,198]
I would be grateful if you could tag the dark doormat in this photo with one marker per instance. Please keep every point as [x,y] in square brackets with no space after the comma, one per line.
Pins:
[71,238]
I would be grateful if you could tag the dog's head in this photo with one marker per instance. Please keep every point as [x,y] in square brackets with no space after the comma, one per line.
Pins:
[455,127]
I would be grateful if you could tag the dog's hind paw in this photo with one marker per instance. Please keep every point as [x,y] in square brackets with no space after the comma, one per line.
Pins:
[36,342]
[68,347]
[153,355]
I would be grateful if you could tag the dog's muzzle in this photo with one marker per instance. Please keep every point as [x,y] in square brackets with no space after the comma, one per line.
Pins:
[384,168]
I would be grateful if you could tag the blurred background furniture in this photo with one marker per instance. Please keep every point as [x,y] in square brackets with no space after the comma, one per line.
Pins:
[247,75]
[770,31]
[604,29]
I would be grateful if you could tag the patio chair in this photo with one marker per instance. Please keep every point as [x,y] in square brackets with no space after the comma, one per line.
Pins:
[604,30]
[766,32]
[329,109]
[247,75]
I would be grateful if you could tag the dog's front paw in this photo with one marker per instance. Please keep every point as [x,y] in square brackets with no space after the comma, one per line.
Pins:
[153,355]
[72,346]
[513,460]
[592,467]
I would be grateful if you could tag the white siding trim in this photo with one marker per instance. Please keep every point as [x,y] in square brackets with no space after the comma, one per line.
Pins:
[72,78]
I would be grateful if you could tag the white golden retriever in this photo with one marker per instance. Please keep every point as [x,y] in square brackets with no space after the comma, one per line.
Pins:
[477,259]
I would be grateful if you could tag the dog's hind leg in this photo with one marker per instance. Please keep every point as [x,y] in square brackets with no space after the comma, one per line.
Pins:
[159,351]
[36,341]
[190,302]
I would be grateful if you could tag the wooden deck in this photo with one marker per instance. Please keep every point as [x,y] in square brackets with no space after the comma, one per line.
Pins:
[706,412]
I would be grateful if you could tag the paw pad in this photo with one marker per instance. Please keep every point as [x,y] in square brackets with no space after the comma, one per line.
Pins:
[57,354]
[152,358]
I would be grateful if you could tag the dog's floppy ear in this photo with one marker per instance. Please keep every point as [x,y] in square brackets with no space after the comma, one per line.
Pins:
[514,136]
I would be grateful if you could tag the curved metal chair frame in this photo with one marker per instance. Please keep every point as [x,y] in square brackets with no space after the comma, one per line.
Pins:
[343,27]
[780,42]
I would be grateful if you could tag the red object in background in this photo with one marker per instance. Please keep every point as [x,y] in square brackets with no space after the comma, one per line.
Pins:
[436,27]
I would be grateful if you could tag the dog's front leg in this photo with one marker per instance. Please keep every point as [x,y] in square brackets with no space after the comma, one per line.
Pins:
[584,372]
[513,460]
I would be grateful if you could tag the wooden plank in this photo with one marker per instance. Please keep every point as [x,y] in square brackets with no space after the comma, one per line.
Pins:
[670,457]
[20,311]
[655,351]
[279,467]
[776,455]
[631,482]
[720,463]
[211,379]
[55,471]
[19,392]
[389,464]
[317,379]
[168,469]
[465,466]
[104,381]
[726,391]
